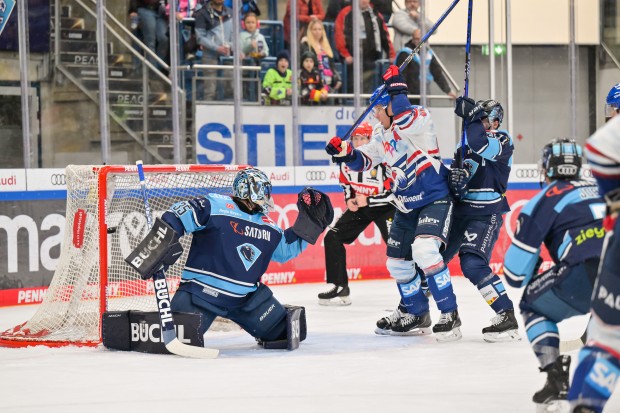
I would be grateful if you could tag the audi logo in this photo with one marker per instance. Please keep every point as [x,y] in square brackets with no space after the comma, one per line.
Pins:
[58,179]
[527,173]
[316,175]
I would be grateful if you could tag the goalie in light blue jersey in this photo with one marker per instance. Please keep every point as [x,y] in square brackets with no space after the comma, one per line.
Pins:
[233,243]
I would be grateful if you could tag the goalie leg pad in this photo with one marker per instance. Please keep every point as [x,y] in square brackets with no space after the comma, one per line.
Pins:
[140,331]
[262,316]
[296,330]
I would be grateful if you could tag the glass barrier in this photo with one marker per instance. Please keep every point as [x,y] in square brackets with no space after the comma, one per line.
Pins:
[279,84]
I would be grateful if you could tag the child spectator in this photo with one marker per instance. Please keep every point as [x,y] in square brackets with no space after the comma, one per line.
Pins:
[253,43]
[316,41]
[311,86]
[277,86]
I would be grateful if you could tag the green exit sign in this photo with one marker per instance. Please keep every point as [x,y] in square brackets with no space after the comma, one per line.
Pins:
[498,49]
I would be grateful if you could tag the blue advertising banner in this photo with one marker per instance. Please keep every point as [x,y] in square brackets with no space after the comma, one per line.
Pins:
[6,7]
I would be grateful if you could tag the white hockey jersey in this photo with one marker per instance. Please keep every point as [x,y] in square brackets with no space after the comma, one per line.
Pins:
[410,151]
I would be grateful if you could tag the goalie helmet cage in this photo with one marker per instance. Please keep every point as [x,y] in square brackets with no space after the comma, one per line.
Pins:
[105,220]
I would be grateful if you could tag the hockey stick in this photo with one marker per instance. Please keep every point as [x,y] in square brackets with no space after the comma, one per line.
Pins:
[576,344]
[467,68]
[401,68]
[168,333]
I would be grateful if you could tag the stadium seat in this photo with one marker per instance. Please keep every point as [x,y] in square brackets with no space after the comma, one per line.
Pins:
[274,35]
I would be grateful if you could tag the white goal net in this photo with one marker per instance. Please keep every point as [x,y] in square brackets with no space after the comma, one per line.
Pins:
[105,220]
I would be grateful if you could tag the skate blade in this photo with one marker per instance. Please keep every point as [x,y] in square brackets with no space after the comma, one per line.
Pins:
[335,302]
[555,406]
[382,332]
[508,335]
[453,335]
[422,331]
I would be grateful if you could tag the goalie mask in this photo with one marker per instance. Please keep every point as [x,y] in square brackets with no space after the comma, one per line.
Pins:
[561,159]
[253,185]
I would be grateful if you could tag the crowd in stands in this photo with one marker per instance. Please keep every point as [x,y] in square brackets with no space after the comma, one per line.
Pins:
[325,45]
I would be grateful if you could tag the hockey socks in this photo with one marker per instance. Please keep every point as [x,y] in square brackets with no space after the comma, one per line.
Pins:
[412,295]
[441,288]
[544,337]
[494,293]
[595,379]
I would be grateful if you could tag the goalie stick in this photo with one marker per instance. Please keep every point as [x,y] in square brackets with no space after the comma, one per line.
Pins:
[401,68]
[168,333]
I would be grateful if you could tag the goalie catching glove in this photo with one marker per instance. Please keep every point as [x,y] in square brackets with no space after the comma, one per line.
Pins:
[157,251]
[315,214]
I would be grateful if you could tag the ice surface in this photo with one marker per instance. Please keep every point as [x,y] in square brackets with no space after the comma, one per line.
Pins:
[341,367]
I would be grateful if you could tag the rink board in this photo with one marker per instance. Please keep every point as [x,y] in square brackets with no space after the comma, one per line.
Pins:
[32,209]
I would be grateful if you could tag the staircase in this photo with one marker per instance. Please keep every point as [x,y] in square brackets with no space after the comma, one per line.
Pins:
[139,95]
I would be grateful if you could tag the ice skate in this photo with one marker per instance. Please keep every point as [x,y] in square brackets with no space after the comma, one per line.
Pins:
[552,397]
[447,328]
[412,325]
[339,295]
[385,324]
[503,327]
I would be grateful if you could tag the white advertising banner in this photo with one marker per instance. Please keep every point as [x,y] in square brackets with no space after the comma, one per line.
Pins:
[269,136]
[12,180]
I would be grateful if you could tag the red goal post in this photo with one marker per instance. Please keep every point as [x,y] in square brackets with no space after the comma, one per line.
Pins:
[104,221]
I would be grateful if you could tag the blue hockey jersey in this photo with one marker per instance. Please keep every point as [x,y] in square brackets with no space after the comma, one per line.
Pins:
[567,217]
[230,248]
[488,157]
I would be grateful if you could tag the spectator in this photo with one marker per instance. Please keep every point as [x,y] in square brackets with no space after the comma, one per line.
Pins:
[185,8]
[214,33]
[311,86]
[412,71]
[306,11]
[374,38]
[382,6]
[406,21]
[277,86]
[316,41]
[253,43]
[153,25]
[246,6]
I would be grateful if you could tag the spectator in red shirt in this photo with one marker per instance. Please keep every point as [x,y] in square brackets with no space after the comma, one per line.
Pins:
[374,38]
[306,11]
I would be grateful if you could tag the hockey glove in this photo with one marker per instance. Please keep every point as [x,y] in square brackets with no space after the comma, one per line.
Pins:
[157,251]
[457,181]
[341,151]
[467,109]
[315,214]
[394,81]
[612,200]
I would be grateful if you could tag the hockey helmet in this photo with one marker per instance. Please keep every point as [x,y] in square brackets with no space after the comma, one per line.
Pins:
[383,99]
[613,101]
[493,110]
[363,129]
[561,159]
[254,185]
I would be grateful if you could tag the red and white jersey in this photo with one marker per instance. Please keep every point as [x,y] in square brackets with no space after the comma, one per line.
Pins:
[375,184]
[410,150]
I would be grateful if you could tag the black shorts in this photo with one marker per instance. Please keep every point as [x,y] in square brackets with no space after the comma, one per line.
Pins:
[431,220]
[475,234]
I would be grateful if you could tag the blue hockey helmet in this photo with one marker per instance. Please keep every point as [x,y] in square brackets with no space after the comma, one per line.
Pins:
[493,110]
[561,159]
[613,102]
[252,184]
[384,98]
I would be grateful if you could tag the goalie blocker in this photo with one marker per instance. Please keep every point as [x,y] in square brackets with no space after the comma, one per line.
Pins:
[157,251]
